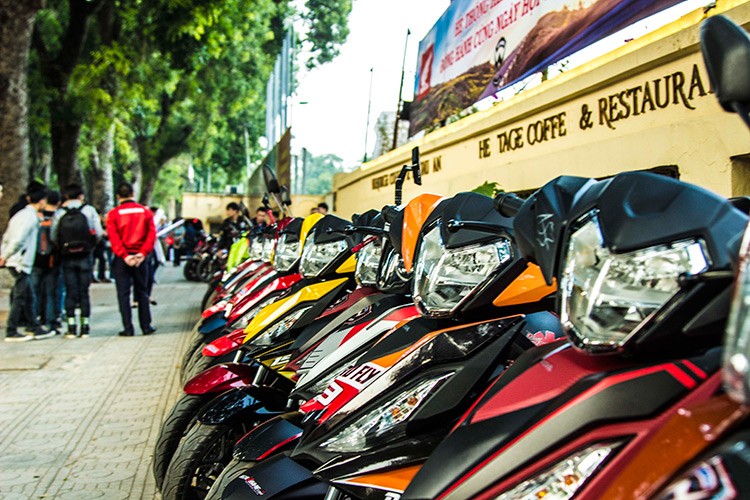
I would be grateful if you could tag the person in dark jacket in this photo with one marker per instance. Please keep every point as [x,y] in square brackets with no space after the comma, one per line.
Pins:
[231,227]
[132,233]
[75,255]
[46,276]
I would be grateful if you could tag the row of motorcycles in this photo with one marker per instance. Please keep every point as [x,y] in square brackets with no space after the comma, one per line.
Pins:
[205,260]
[572,344]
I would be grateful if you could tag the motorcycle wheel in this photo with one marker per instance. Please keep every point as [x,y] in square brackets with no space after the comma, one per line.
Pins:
[196,359]
[199,459]
[194,344]
[172,430]
[204,270]
[202,363]
[208,297]
[231,472]
[189,270]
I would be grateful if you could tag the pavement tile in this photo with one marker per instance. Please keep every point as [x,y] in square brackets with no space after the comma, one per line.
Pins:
[79,417]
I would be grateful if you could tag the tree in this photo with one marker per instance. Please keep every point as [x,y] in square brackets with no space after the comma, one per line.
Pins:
[59,39]
[123,86]
[320,171]
[16,26]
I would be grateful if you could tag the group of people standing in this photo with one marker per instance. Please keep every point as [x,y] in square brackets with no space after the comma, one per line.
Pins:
[49,247]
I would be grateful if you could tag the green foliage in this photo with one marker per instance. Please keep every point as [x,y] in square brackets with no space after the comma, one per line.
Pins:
[320,171]
[328,28]
[172,181]
[176,77]
[490,189]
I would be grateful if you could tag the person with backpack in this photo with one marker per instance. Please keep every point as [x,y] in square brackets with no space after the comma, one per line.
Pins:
[131,231]
[76,230]
[17,253]
[46,274]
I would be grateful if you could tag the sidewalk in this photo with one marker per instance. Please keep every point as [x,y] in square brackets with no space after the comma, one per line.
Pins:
[79,417]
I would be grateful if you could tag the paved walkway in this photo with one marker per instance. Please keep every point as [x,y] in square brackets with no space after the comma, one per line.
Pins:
[79,417]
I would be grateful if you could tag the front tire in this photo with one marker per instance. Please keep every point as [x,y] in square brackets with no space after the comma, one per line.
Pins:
[231,472]
[199,364]
[173,429]
[196,344]
[199,459]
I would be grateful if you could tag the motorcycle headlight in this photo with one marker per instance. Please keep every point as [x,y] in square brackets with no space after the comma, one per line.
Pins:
[368,261]
[267,254]
[607,298]
[287,254]
[317,256]
[256,248]
[393,273]
[736,372]
[565,478]
[268,337]
[445,278]
[365,432]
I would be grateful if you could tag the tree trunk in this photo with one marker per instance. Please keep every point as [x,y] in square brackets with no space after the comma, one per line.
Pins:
[65,134]
[136,168]
[102,194]
[57,69]
[147,189]
[16,26]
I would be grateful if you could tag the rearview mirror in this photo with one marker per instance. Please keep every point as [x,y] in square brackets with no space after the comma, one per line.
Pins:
[265,201]
[272,183]
[286,198]
[415,168]
[726,52]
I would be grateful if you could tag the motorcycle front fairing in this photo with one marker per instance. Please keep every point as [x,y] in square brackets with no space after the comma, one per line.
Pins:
[366,469]
[579,401]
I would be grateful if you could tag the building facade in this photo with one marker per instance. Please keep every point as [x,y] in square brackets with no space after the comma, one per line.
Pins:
[645,106]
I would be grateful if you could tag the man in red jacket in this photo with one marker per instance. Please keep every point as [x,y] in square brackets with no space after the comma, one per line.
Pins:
[131,231]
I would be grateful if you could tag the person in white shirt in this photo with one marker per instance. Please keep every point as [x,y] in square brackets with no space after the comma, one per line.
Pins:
[17,253]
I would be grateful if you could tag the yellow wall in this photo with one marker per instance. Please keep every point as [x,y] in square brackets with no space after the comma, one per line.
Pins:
[690,131]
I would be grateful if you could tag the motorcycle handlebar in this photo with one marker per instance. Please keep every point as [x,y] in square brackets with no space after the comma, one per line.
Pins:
[508,204]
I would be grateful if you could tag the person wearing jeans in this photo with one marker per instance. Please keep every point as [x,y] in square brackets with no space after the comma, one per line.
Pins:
[17,253]
[132,233]
[76,251]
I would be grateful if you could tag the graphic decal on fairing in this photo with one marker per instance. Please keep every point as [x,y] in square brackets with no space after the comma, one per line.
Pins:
[349,383]
[541,338]
[253,485]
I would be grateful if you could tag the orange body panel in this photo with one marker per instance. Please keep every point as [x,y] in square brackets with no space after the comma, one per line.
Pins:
[415,213]
[688,433]
[527,288]
[395,480]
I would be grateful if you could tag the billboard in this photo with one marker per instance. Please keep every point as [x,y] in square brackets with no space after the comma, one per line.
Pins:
[478,47]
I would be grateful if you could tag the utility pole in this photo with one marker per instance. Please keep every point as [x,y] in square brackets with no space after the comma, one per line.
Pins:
[369,106]
[400,90]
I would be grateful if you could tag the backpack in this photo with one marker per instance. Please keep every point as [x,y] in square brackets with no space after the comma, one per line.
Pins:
[44,246]
[74,235]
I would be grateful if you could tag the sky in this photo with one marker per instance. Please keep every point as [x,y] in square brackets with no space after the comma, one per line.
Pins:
[329,110]
[335,117]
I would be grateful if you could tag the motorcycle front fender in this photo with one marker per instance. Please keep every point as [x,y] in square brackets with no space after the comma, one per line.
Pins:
[221,378]
[273,478]
[272,436]
[212,324]
[244,404]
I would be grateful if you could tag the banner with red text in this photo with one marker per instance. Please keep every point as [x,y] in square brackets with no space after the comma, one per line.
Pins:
[478,47]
